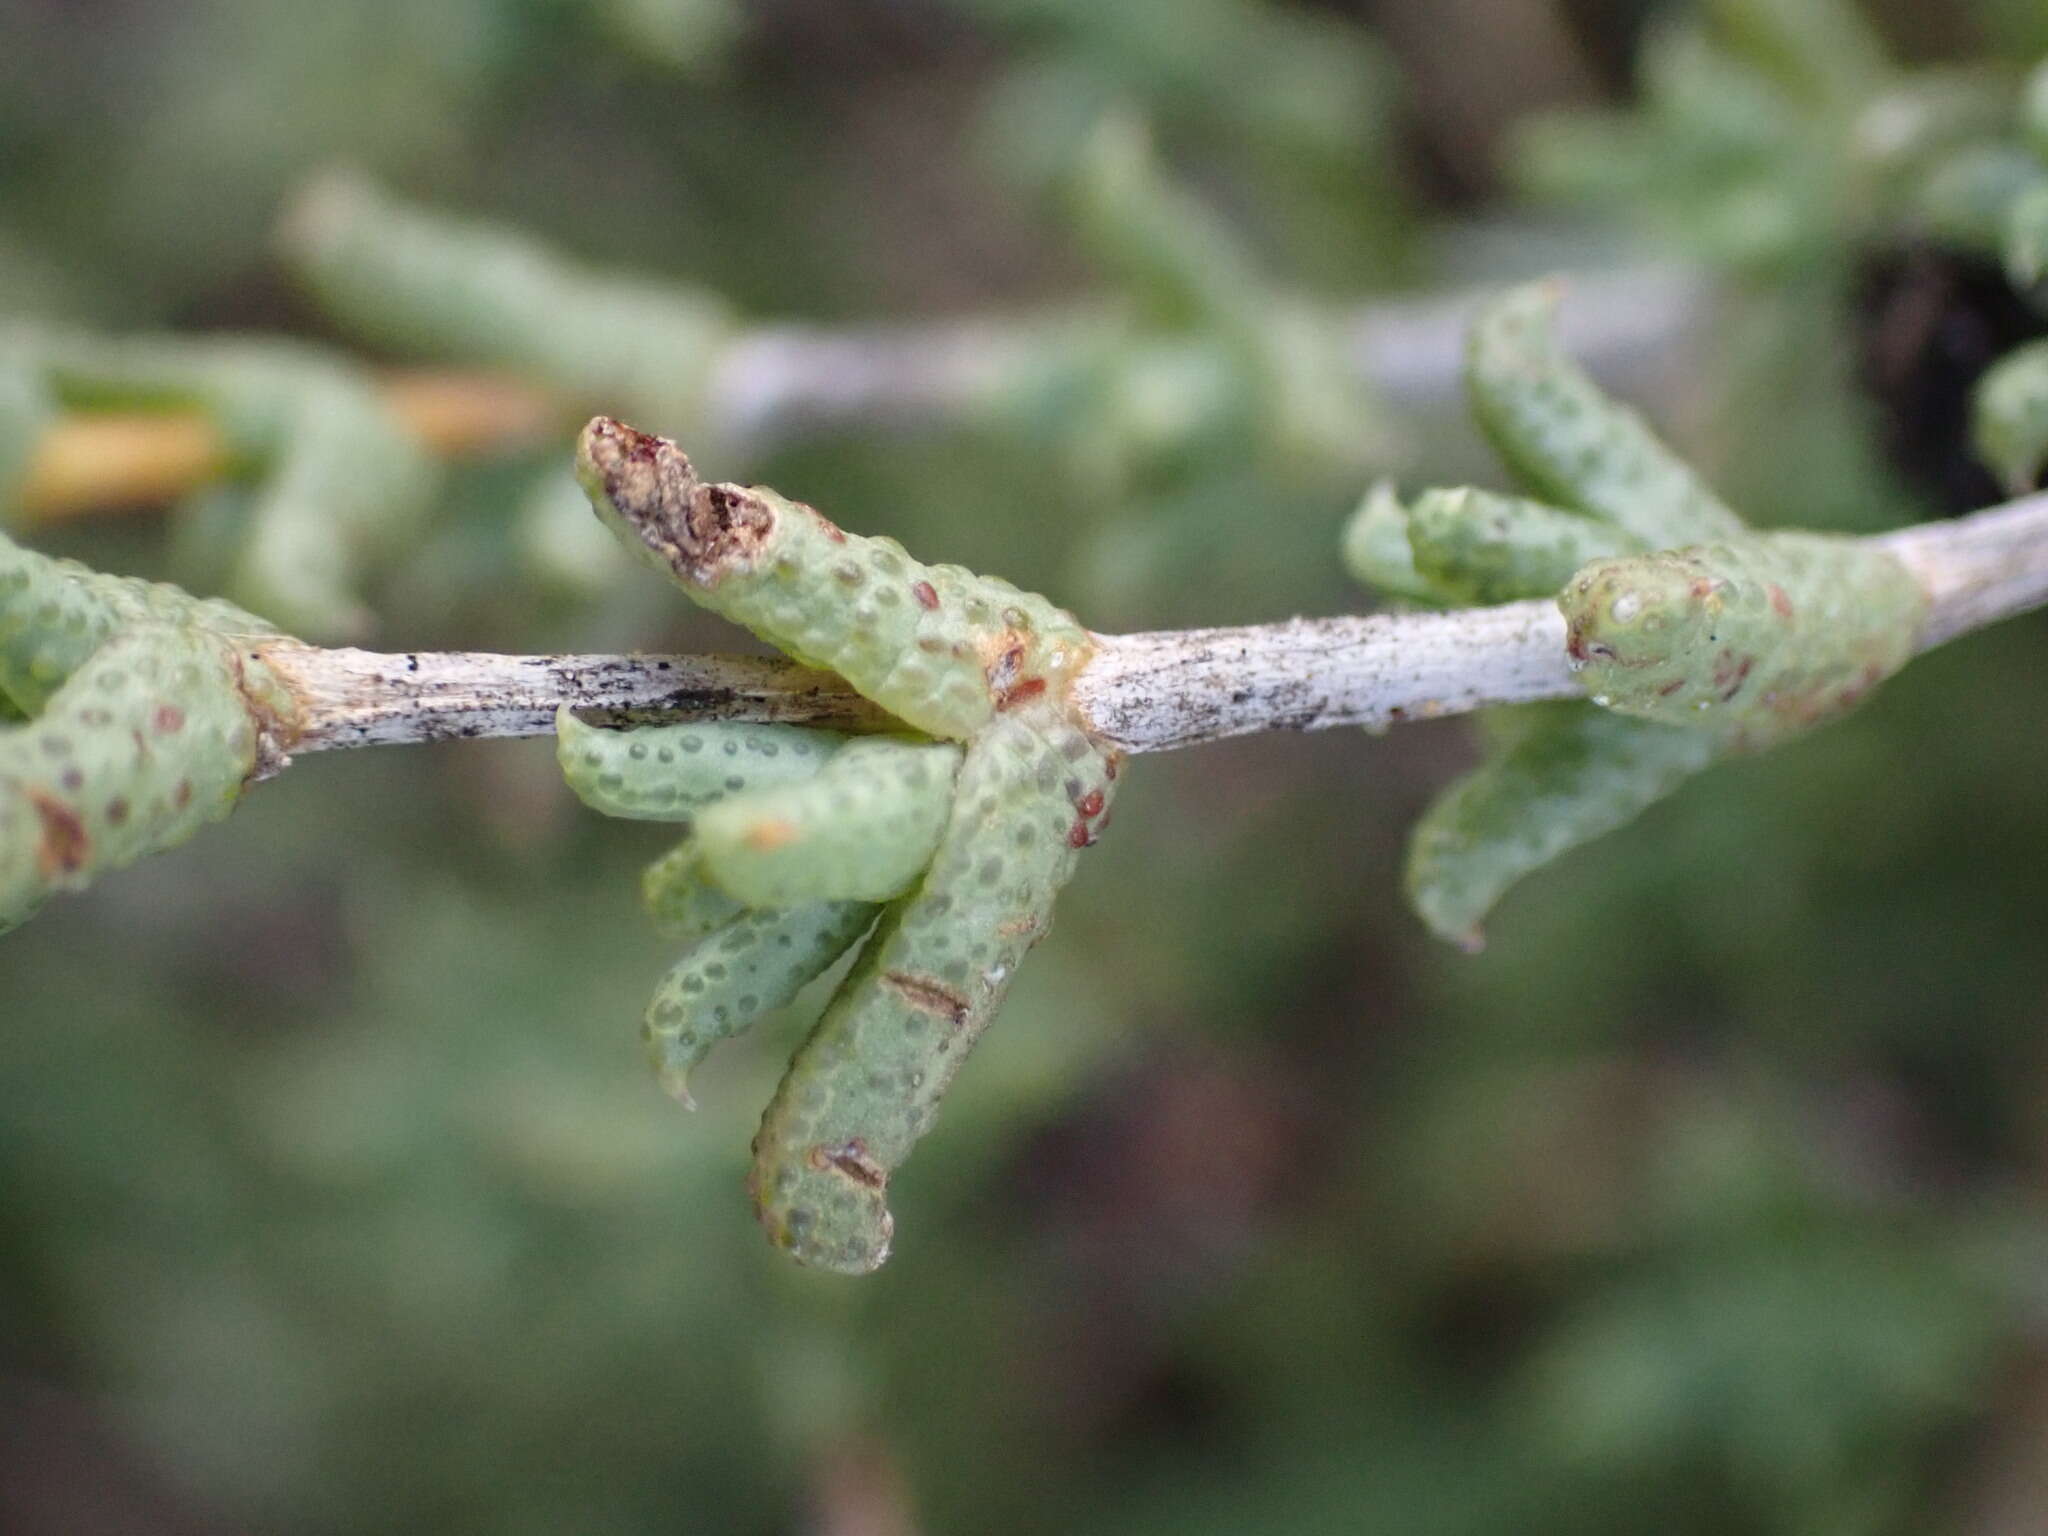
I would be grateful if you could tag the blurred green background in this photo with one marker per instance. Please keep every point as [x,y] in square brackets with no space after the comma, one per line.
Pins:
[1709,1198]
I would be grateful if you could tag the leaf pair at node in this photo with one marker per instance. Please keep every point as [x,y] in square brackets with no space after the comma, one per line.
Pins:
[1695,636]
[949,840]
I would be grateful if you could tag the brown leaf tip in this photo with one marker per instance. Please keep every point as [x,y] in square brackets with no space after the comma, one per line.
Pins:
[650,485]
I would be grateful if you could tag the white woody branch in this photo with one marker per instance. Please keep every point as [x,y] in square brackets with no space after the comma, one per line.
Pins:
[1142,693]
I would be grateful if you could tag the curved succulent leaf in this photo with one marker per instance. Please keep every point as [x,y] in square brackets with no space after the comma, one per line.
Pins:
[866,1084]
[1570,773]
[1572,444]
[755,963]
[1190,272]
[135,714]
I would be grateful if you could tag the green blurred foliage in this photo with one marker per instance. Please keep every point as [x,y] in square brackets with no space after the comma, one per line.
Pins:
[338,1198]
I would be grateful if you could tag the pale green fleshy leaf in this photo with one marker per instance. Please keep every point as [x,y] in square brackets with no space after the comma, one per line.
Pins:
[1572,444]
[1568,773]
[1192,273]
[866,1084]
[750,966]
[860,830]
[670,772]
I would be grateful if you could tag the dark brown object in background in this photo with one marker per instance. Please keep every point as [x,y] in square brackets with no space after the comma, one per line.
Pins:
[1929,323]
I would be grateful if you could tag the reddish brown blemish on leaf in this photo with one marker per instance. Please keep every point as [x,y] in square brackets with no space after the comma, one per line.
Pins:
[826,526]
[1670,688]
[169,720]
[1780,603]
[64,847]
[926,594]
[1028,688]
[1730,673]
[1582,650]
[182,795]
[928,996]
[1090,804]
[1851,696]
[851,1160]
[1080,834]
[117,813]
[1741,676]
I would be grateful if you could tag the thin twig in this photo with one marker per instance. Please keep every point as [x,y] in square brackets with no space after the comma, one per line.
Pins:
[1178,688]
[782,381]
[1142,693]
[1978,569]
[777,383]
[351,698]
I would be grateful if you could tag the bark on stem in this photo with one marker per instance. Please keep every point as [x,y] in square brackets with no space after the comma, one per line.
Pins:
[351,698]
[1144,693]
